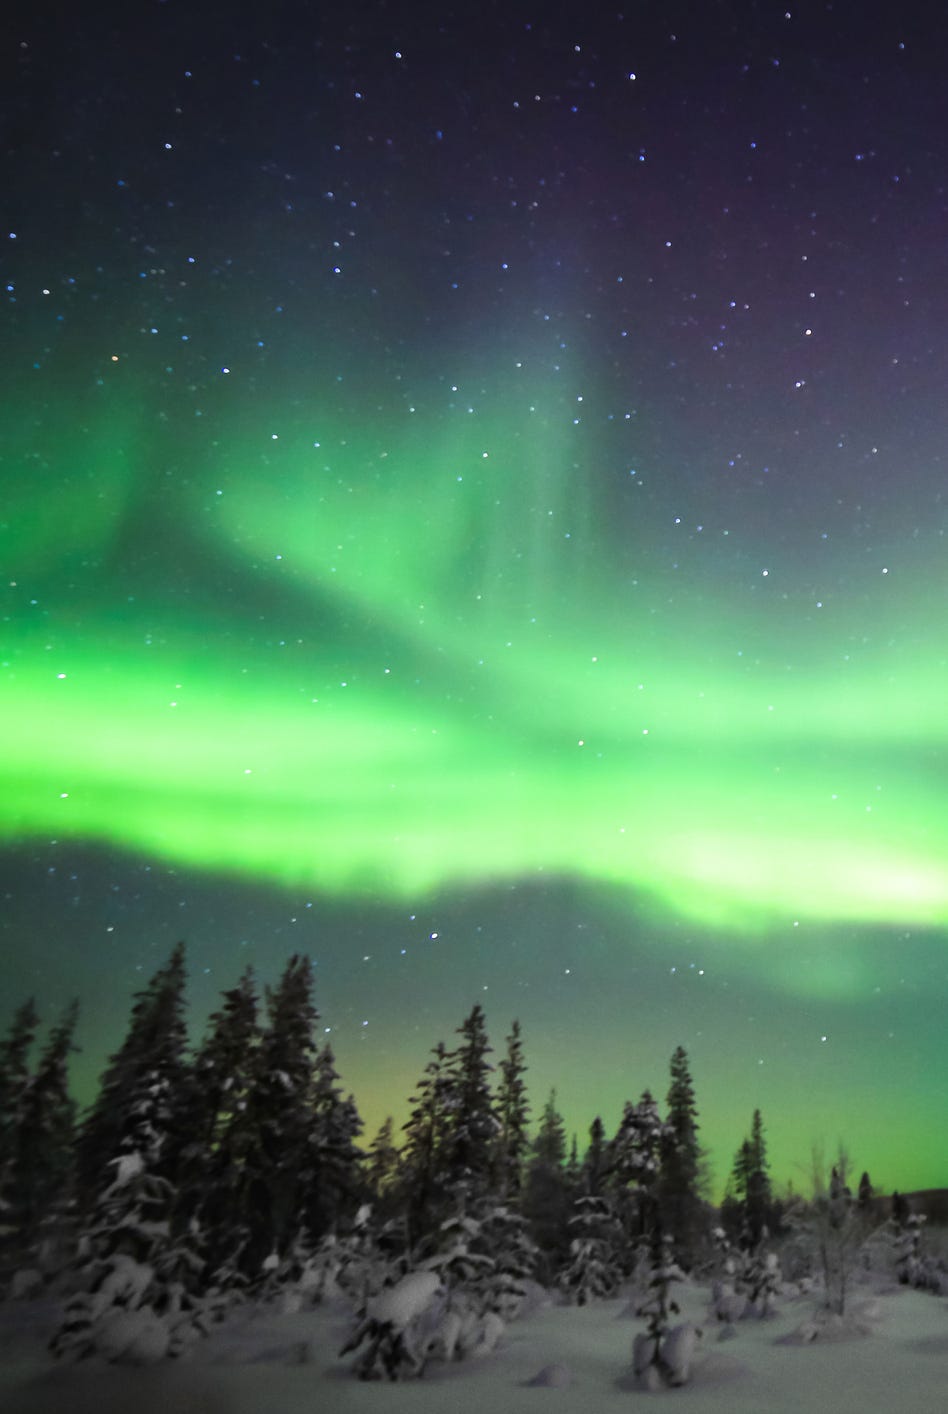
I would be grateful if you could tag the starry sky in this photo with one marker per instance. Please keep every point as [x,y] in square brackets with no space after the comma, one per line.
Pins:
[473,511]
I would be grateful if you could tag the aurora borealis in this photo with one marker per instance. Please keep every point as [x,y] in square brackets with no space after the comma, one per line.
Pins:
[473,510]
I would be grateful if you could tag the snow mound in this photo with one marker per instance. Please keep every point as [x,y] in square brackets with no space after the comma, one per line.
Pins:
[826,1327]
[491,1329]
[678,1352]
[25,1284]
[552,1377]
[400,1304]
[132,1337]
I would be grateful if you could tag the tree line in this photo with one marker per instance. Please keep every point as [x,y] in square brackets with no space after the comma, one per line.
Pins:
[204,1171]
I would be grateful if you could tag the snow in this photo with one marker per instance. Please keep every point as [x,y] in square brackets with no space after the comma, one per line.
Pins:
[132,1337]
[127,1167]
[402,1303]
[893,1354]
[678,1351]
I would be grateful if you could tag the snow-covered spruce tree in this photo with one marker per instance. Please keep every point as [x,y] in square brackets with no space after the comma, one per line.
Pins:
[153,1053]
[594,1172]
[380,1169]
[911,1267]
[594,1268]
[679,1162]
[762,1279]
[217,1134]
[277,1154]
[38,1188]
[394,1331]
[483,1263]
[333,1193]
[364,1260]
[506,1240]
[422,1184]
[547,1197]
[513,1115]
[479,1247]
[662,1354]
[749,1207]
[14,1084]
[749,1282]
[472,1126]
[634,1162]
[138,1296]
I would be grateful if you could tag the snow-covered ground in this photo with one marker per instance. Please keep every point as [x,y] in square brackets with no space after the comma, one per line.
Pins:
[289,1364]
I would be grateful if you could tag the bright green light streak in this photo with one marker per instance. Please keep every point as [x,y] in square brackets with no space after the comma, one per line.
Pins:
[562,728]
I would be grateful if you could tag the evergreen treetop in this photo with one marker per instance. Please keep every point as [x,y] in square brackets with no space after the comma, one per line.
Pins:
[15,1072]
[145,1077]
[37,1177]
[472,1122]
[513,1114]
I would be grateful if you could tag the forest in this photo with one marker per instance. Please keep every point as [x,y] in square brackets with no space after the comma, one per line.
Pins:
[203,1179]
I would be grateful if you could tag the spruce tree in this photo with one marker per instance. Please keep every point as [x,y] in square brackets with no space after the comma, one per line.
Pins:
[748,1208]
[217,1129]
[635,1158]
[381,1167]
[130,1146]
[148,1069]
[472,1124]
[680,1160]
[334,1191]
[593,1269]
[595,1164]
[759,1198]
[277,1154]
[40,1168]
[513,1114]
[547,1197]
[426,1135]
[14,1081]
[223,1065]
[865,1193]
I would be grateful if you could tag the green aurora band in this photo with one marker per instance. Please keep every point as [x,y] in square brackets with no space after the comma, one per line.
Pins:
[463,675]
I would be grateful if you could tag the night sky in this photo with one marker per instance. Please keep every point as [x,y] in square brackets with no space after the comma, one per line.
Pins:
[473,511]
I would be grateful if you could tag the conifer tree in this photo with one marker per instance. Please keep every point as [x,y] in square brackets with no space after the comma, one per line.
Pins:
[223,1065]
[381,1165]
[547,1197]
[40,1168]
[14,1080]
[595,1163]
[130,1146]
[593,1269]
[864,1196]
[334,1191]
[549,1147]
[513,1113]
[635,1157]
[472,1124]
[759,1198]
[426,1134]
[217,1128]
[573,1166]
[749,1206]
[148,1070]
[680,1160]
[278,1156]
